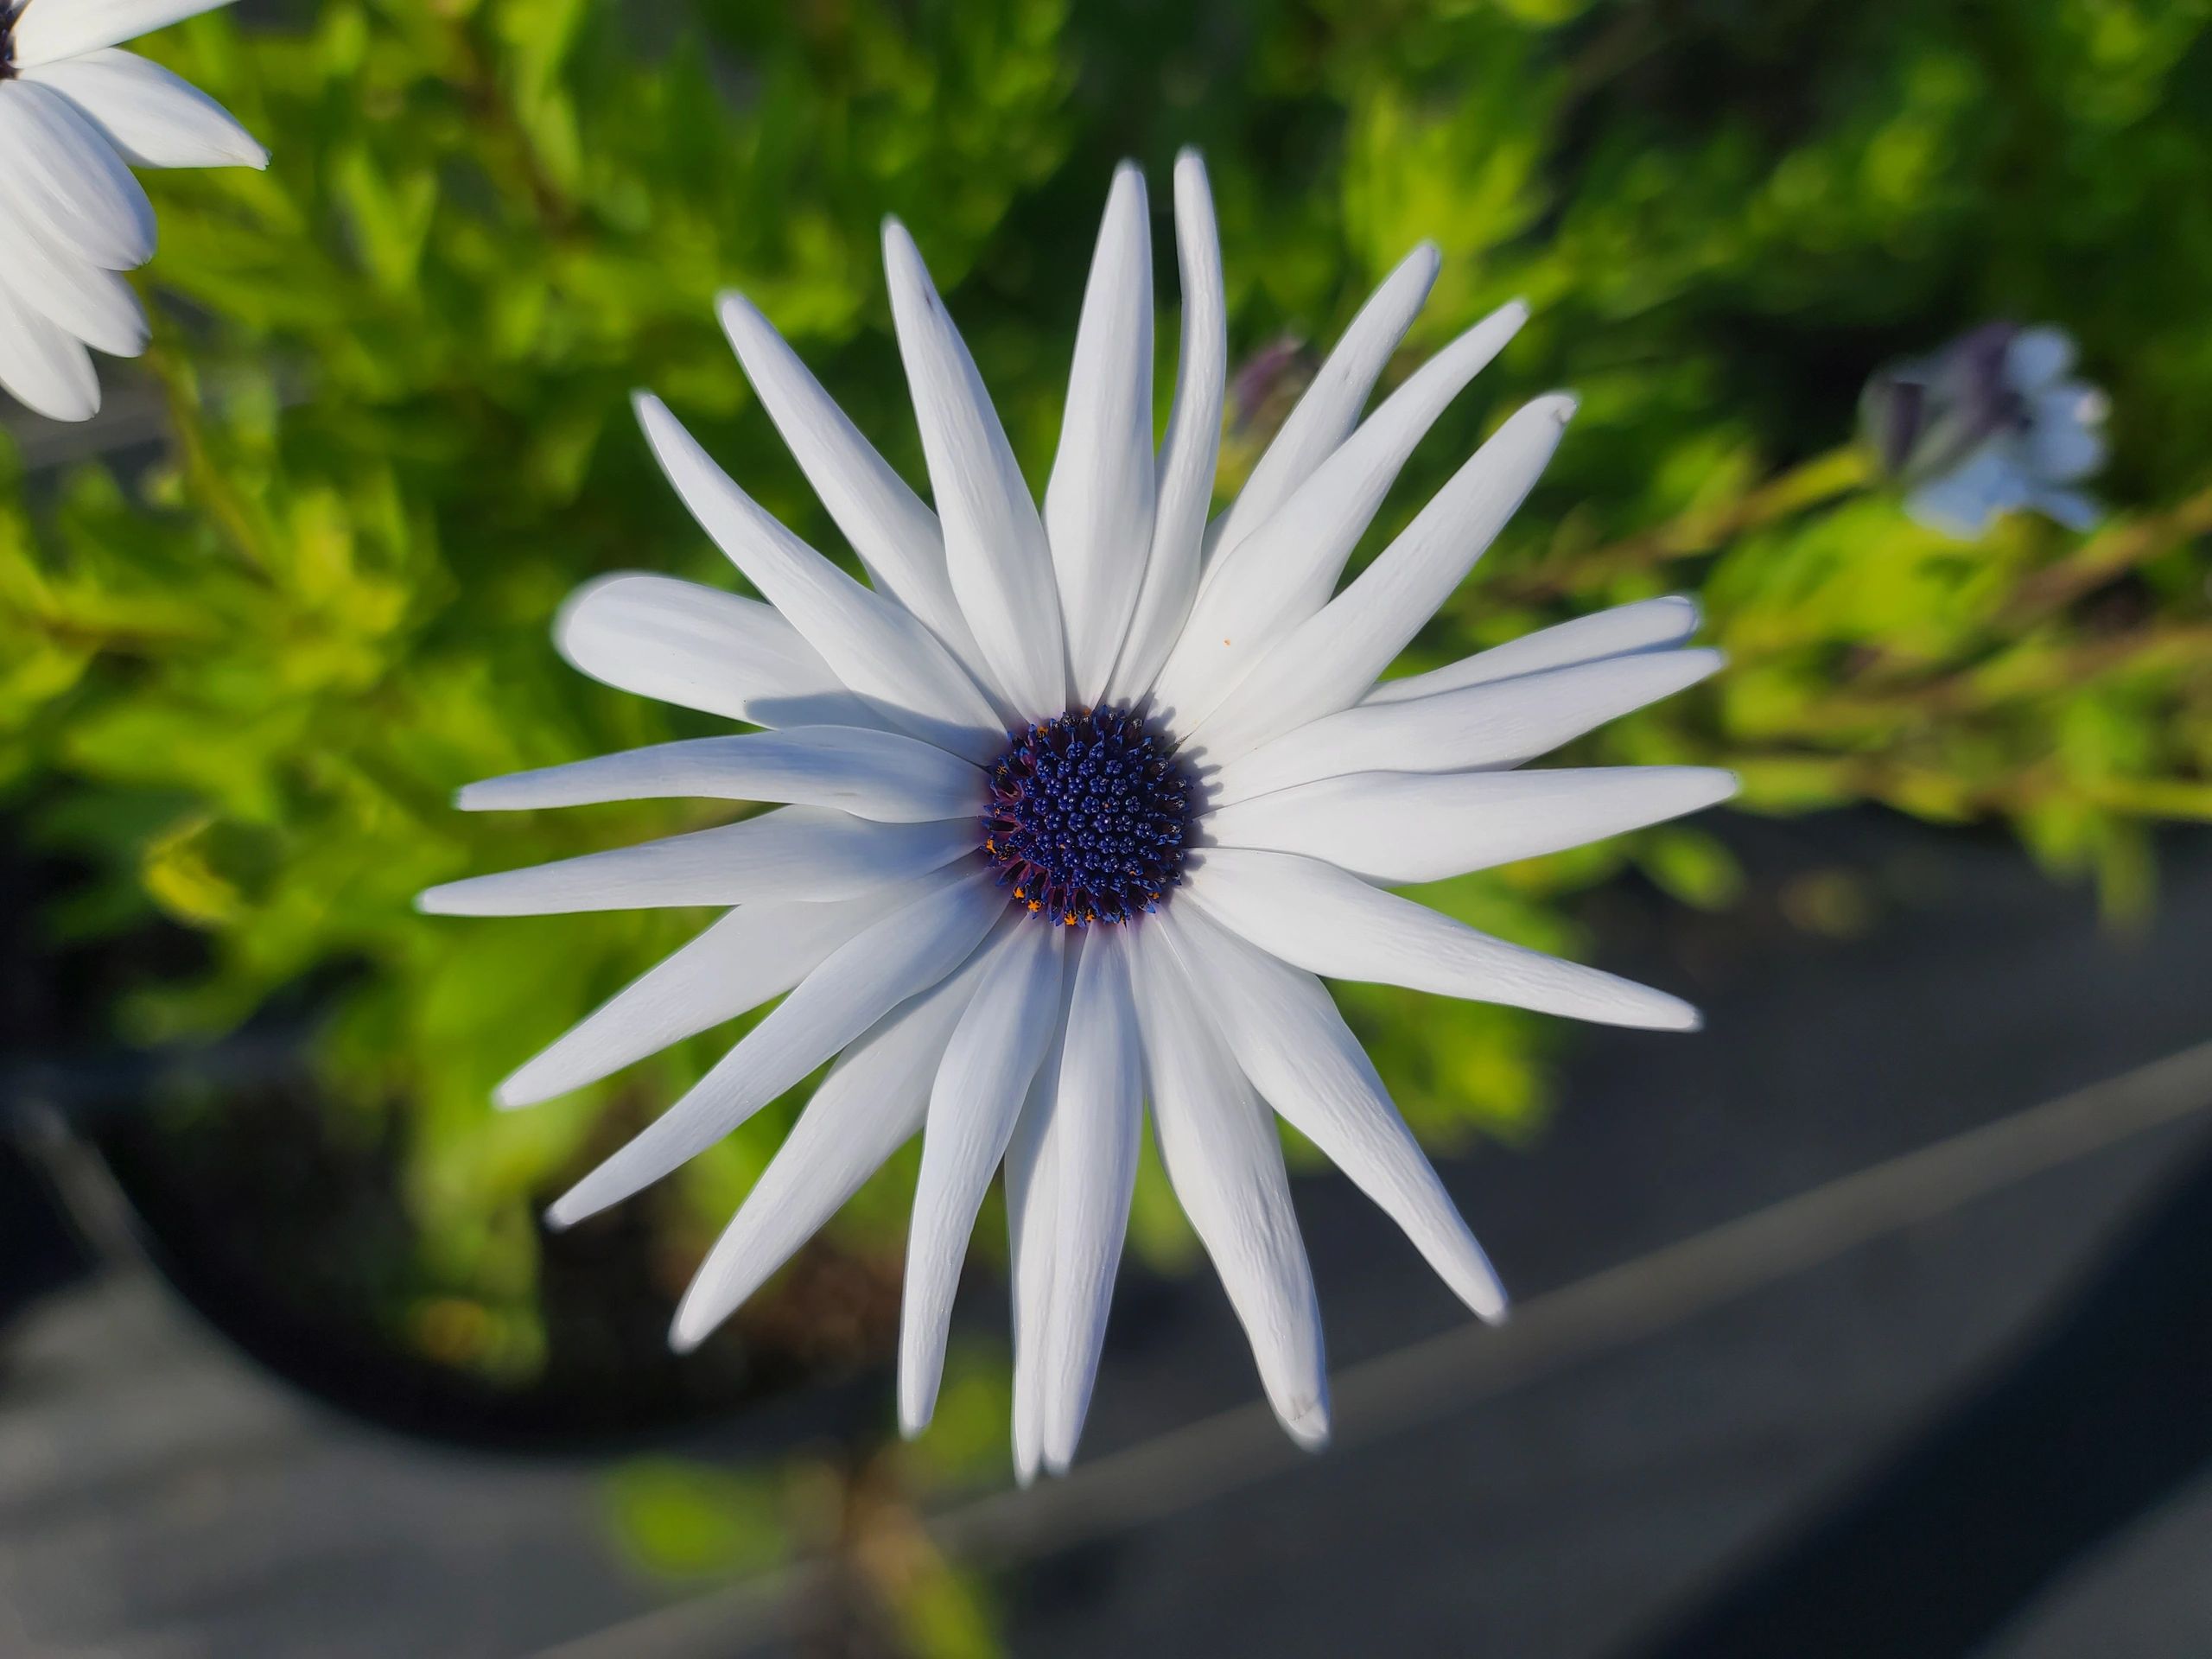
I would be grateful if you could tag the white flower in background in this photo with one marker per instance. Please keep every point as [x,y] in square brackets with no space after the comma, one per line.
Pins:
[1991,424]
[76,115]
[1080,804]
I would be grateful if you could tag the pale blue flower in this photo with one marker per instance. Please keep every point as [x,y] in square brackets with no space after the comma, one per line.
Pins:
[1992,424]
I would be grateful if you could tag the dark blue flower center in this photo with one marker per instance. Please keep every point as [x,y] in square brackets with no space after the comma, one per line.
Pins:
[1087,817]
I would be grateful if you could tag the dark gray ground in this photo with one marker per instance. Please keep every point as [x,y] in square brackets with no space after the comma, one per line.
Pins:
[157,1497]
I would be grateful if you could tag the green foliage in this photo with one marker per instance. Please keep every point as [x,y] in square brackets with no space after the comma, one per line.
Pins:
[244,681]
[677,1520]
[858,1516]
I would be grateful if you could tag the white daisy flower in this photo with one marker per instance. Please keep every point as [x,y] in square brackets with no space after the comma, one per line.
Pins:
[76,115]
[1080,804]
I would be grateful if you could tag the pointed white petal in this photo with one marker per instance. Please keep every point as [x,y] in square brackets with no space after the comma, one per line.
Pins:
[57,174]
[1401,827]
[869,1106]
[1101,1116]
[1329,661]
[1188,457]
[885,776]
[153,117]
[894,533]
[988,1066]
[701,648]
[1292,1044]
[799,852]
[1098,504]
[755,952]
[94,305]
[47,31]
[1225,1163]
[901,956]
[1284,571]
[1493,723]
[872,642]
[1648,625]
[994,545]
[1033,1209]
[1326,413]
[1317,917]
[42,366]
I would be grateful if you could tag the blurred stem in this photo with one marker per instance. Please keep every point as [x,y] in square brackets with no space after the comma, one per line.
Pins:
[1700,531]
[1929,792]
[861,1515]
[938,1610]
[207,481]
[2108,556]
[494,114]
[1988,686]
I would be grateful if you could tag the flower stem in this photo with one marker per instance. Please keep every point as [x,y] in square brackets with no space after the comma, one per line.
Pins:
[1698,530]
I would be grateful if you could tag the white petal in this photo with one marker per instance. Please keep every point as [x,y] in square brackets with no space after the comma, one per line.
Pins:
[1493,723]
[42,366]
[1330,660]
[1098,504]
[885,776]
[1188,457]
[1648,625]
[872,642]
[1100,1116]
[901,956]
[1326,413]
[757,951]
[894,533]
[1317,917]
[1399,827]
[1284,571]
[799,852]
[153,117]
[1292,1044]
[1032,1208]
[994,547]
[92,304]
[47,31]
[980,1088]
[57,173]
[701,648]
[1225,1163]
[869,1106]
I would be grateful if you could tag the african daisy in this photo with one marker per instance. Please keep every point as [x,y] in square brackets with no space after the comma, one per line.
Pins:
[1079,805]
[76,115]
